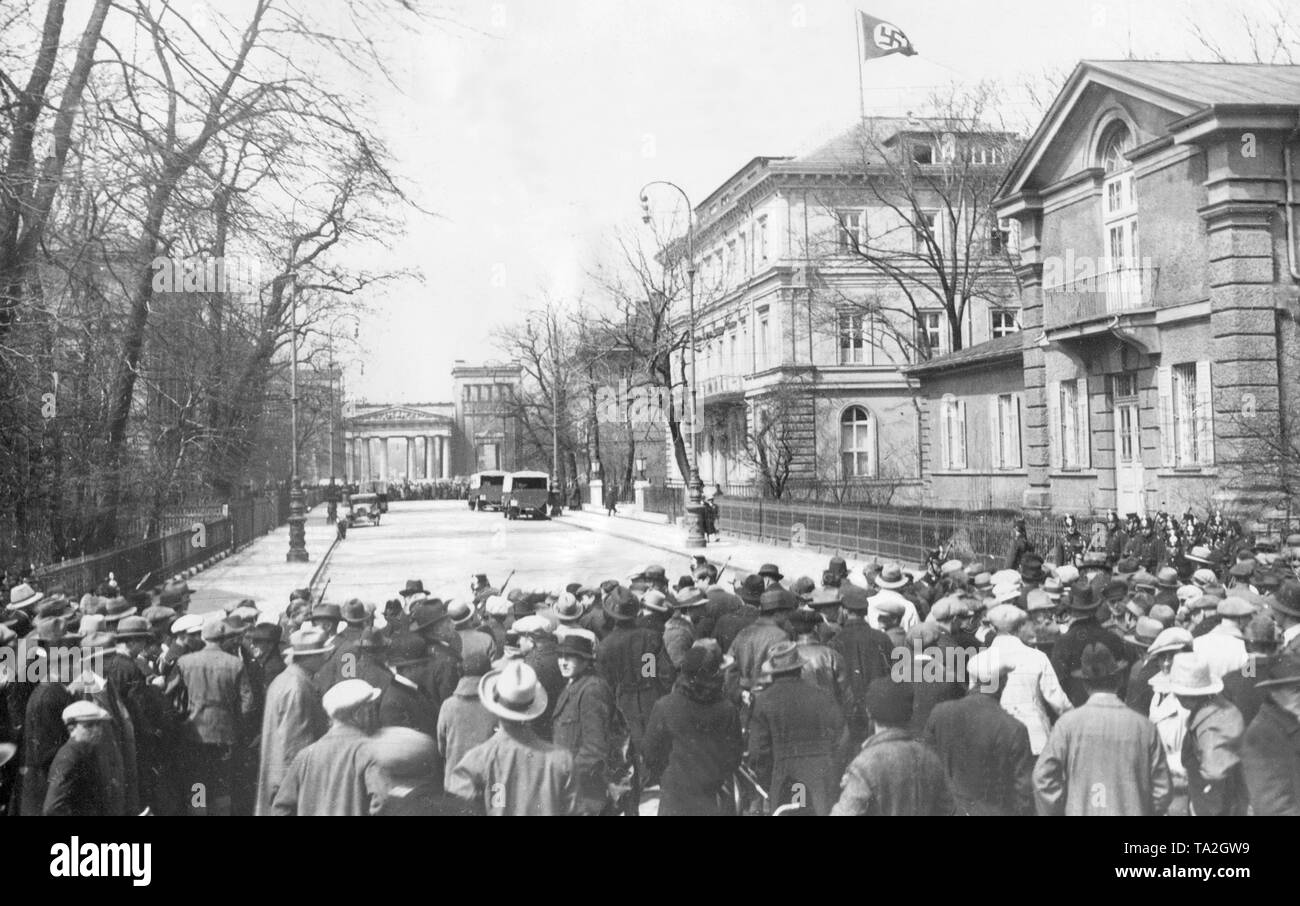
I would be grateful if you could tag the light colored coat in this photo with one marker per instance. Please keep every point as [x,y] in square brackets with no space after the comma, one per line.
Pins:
[291,721]
[1032,693]
[1223,648]
[1102,758]
[336,775]
[463,723]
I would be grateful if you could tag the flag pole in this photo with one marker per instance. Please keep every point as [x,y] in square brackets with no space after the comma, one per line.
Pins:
[857,35]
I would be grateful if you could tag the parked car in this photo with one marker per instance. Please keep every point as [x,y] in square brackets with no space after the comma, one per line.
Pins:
[485,489]
[527,494]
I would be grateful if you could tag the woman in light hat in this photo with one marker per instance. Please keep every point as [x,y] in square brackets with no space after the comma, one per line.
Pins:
[515,772]
[1165,710]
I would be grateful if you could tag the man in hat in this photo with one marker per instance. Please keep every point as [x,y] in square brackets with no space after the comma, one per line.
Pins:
[1031,693]
[338,774]
[1214,731]
[122,672]
[541,651]
[582,720]
[342,662]
[293,717]
[679,631]
[1020,545]
[463,721]
[771,576]
[1285,607]
[1241,686]
[264,641]
[221,705]
[431,622]
[1070,545]
[1084,630]
[890,581]
[1102,758]
[797,735]
[1146,546]
[822,665]
[654,610]
[405,703]
[826,603]
[516,772]
[633,661]
[43,728]
[752,644]
[1270,749]
[77,787]
[893,773]
[1224,646]
[984,750]
[730,622]
[865,653]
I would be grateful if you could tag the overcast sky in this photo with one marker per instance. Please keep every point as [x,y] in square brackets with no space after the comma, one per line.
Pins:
[531,130]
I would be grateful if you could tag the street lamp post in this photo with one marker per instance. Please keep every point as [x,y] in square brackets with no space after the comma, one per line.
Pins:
[297,504]
[694,486]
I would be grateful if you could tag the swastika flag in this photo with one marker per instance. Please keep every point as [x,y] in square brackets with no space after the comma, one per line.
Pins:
[881,38]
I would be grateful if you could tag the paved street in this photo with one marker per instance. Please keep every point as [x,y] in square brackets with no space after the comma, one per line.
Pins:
[444,543]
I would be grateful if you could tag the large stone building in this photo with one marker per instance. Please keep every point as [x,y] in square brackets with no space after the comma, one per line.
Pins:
[1157,368]
[803,310]
[395,442]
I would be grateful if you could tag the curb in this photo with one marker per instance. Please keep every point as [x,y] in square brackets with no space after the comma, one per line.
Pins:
[678,551]
[320,567]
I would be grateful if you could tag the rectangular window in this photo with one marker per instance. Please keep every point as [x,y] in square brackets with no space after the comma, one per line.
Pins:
[924,232]
[763,343]
[999,235]
[929,334]
[1068,423]
[1186,414]
[731,263]
[849,231]
[743,245]
[1006,431]
[853,339]
[762,238]
[922,153]
[952,433]
[1004,322]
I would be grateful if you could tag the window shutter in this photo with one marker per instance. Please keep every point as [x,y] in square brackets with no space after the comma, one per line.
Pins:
[1165,397]
[961,434]
[1204,414]
[945,415]
[995,435]
[1017,458]
[1084,442]
[1054,423]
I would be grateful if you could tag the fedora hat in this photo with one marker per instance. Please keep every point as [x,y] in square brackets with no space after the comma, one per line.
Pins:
[690,597]
[1287,598]
[620,605]
[1285,671]
[412,587]
[1084,598]
[1031,567]
[373,639]
[133,628]
[1145,632]
[783,657]
[461,613]
[1097,662]
[855,599]
[308,640]
[53,633]
[1167,578]
[407,649]
[326,612]
[1126,567]
[427,613]
[750,590]
[777,599]
[171,597]
[567,609]
[53,607]
[220,630]
[84,712]
[655,600]
[769,571]
[190,622]
[1200,554]
[354,612]
[117,608]
[513,692]
[21,596]
[1175,638]
[826,597]
[1190,675]
[578,643]
[892,576]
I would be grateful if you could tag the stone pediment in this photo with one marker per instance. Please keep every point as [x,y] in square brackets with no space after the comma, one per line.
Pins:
[396,415]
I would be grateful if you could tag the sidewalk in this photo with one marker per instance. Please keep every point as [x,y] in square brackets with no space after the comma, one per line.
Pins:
[653,530]
[260,571]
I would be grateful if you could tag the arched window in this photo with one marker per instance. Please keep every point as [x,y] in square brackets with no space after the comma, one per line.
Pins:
[1115,142]
[857,443]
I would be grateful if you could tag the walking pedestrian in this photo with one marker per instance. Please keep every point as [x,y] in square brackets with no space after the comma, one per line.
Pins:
[77,787]
[293,717]
[582,720]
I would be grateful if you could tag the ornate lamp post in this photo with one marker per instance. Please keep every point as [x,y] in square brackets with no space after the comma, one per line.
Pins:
[297,504]
[694,486]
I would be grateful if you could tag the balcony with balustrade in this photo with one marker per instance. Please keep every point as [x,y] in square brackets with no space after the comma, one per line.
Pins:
[1121,302]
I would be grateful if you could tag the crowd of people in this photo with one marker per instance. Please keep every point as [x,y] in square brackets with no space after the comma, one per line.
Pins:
[1097,680]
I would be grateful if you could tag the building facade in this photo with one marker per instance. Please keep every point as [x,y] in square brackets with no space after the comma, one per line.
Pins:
[1157,258]
[802,331]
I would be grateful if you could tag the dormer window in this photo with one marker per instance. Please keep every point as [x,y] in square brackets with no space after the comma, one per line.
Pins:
[922,153]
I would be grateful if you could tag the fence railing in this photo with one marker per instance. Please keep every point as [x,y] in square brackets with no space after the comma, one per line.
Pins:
[153,560]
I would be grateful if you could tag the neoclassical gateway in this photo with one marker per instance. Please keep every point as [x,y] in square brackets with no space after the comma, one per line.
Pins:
[395,442]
